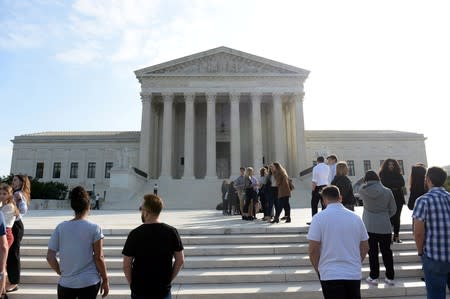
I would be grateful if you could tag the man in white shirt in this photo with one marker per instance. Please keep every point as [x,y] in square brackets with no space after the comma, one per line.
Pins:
[331,161]
[320,175]
[338,243]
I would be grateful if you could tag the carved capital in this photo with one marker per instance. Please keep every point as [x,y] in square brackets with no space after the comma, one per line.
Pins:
[235,97]
[256,96]
[146,97]
[189,97]
[277,96]
[298,96]
[167,97]
[211,98]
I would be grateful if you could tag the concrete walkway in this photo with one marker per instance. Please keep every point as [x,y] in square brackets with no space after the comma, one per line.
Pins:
[181,219]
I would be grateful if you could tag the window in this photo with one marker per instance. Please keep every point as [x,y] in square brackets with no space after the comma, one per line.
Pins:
[351,167]
[39,170]
[56,170]
[74,170]
[91,170]
[367,165]
[402,169]
[108,166]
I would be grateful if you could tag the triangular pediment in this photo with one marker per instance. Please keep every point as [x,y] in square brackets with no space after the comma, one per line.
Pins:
[221,61]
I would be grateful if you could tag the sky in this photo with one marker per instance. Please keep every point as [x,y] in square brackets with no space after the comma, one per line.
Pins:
[375,65]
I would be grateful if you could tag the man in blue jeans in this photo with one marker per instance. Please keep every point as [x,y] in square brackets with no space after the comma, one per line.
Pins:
[432,233]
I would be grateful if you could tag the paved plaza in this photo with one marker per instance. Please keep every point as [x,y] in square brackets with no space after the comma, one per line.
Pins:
[181,219]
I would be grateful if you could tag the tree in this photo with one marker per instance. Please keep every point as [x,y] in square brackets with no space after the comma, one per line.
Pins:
[42,190]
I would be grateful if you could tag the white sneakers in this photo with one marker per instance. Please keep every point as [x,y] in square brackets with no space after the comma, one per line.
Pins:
[389,281]
[374,281]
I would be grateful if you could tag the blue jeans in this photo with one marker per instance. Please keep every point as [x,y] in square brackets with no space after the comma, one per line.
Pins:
[437,275]
[169,296]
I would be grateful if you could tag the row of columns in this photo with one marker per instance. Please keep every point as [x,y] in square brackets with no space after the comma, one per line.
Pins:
[235,145]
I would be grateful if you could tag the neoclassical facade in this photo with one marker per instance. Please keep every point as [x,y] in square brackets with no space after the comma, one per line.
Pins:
[219,110]
[203,117]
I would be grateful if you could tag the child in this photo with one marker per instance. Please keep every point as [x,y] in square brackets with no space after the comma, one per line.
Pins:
[9,210]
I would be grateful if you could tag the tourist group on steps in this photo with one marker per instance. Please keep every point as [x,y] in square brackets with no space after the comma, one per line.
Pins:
[153,252]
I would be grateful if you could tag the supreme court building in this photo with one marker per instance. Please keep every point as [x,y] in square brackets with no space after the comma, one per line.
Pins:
[203,117]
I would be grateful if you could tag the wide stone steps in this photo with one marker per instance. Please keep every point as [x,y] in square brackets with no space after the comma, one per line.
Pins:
[239,262]
[410,288]
[195,262]
[225,275]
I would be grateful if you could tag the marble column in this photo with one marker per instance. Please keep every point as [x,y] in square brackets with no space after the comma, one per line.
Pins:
[278,131]
[189,137]
[235,132]
[166,159]
[256,131]
[211,172]
[300,131]
[144,144]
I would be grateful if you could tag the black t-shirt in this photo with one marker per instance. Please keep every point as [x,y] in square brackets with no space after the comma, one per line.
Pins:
[152,246]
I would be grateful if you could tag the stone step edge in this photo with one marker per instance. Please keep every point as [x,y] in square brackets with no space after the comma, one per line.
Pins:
[232,271]
[406,286]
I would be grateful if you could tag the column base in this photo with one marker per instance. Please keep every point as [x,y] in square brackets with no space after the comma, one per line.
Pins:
[188,178]
[211,178]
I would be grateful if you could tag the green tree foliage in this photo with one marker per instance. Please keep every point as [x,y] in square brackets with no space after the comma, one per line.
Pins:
[42,190]
[447,184]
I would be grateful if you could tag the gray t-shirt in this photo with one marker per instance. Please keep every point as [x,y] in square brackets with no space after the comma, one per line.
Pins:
[74,241]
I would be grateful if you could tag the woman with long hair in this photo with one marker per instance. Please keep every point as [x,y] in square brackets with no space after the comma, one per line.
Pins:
[21,192]
[284,193]
[344,184]
[379,206]
[416,184]
[391,177]
[79,242]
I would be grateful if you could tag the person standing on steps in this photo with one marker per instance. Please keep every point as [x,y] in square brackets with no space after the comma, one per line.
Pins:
[79,243]
[22,195]
[320,175]
[97,202]
[379,206]
[336,254]
[391,177]
[432,233]
[331,162]
[153,254]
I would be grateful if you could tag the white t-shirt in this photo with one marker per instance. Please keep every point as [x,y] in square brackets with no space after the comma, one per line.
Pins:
[10,214]
[340,232]
[320,174]
[73,240]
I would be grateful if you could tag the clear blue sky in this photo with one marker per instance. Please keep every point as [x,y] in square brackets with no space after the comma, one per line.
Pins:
[68,65]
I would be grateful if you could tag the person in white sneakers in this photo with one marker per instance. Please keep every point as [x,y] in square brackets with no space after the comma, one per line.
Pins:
[379,207]
[337,246]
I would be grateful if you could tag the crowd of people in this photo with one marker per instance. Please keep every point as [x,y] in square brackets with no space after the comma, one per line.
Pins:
[153,252]
[337,255]
[383,196]
[249,195]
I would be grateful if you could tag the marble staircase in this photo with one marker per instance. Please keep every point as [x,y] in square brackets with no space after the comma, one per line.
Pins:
[250,261]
